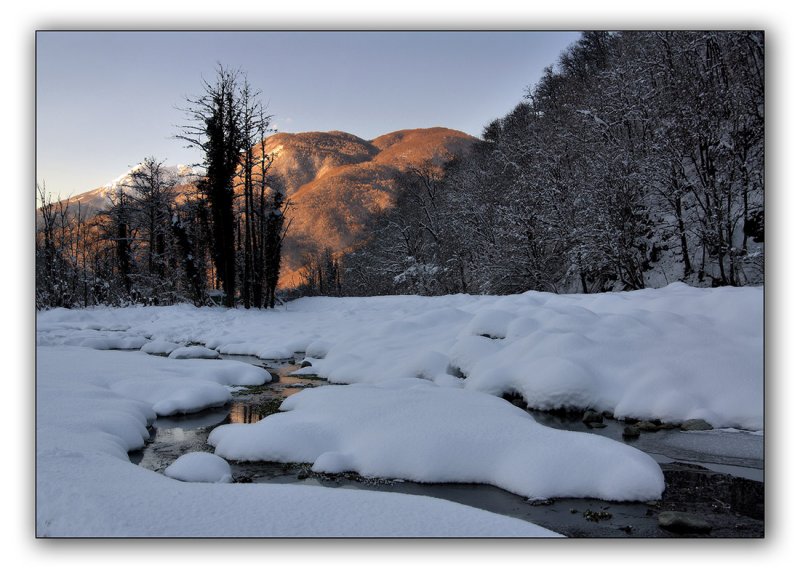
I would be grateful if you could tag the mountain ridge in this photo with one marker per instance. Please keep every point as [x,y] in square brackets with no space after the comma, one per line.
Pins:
[336,182]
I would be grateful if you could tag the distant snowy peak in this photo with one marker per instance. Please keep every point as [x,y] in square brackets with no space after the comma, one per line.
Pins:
[182,174]
[100,198]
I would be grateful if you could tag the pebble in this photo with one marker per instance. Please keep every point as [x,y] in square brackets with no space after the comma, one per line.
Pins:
[683,522]
[696,425]
[647,426]
[591,416]
[539,501]
[630,432]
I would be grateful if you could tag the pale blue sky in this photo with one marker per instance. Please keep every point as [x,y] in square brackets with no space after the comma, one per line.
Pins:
[106,100]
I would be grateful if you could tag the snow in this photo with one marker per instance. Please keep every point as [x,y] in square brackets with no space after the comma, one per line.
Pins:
[193,352]
[415,430]
[182,174]
[93,407]
[490,323]
[423,375]
[159,347]
[108,341]
[198,466]
[178,395]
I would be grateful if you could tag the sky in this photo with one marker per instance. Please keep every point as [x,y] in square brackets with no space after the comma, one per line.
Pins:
[106,100]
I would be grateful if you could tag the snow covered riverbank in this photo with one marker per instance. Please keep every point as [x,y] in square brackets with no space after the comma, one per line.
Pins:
[426,370]
[92,408]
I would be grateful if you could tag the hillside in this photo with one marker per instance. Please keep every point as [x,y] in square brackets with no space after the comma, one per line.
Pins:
[343,191]
[336,182]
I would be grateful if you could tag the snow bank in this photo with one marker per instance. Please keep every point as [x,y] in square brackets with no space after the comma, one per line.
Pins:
[172,395]
[159,347]
[166,387]
[418,431]
[108,341]
[87,487]
[198,466]
[193,352]
[675,353]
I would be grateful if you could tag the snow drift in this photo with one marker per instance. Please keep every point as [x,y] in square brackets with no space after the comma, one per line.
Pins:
[414,430]
[423,374]
[87,487]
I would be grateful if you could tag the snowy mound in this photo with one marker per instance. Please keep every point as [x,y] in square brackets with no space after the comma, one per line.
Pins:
[163,386]
[199,467]
[414,430]
[193,352]
[108,341]
[424,375]
[675,354]
[159,347]
[86,485]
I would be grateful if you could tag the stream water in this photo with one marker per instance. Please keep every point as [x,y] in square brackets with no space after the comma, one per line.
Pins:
[715,474]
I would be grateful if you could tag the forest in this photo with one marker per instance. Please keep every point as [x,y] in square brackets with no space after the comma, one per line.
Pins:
[635,161]
[214,240]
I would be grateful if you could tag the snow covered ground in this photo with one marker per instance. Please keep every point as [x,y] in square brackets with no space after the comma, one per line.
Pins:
[422,406]
[415,430]
[92,408]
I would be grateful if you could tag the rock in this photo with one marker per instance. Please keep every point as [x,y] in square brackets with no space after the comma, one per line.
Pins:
[539,501]
[591,416]
[696,425]
[302,475]
[682,522]
[291,362]
[305,363]
[608,414]
[597,425]
[647,426]
[456,372]
[515,398]
[630,420]
[596,516]
[627,529]
[630,432]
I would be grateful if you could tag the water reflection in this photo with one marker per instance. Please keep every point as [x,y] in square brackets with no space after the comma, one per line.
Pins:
[173,436]
[243,412]
[207,418]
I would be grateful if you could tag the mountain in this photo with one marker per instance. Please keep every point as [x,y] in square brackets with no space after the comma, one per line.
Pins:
[336,183]
[99,198]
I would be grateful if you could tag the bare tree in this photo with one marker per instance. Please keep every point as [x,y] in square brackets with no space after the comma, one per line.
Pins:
[215,126]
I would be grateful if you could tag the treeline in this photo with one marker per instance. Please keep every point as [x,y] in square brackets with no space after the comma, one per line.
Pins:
[637,161]
[215,239]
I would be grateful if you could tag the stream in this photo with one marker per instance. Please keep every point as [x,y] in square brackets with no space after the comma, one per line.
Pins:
[717,475]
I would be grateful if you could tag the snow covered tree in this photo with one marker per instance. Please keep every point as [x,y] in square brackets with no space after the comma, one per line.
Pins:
[635,161]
